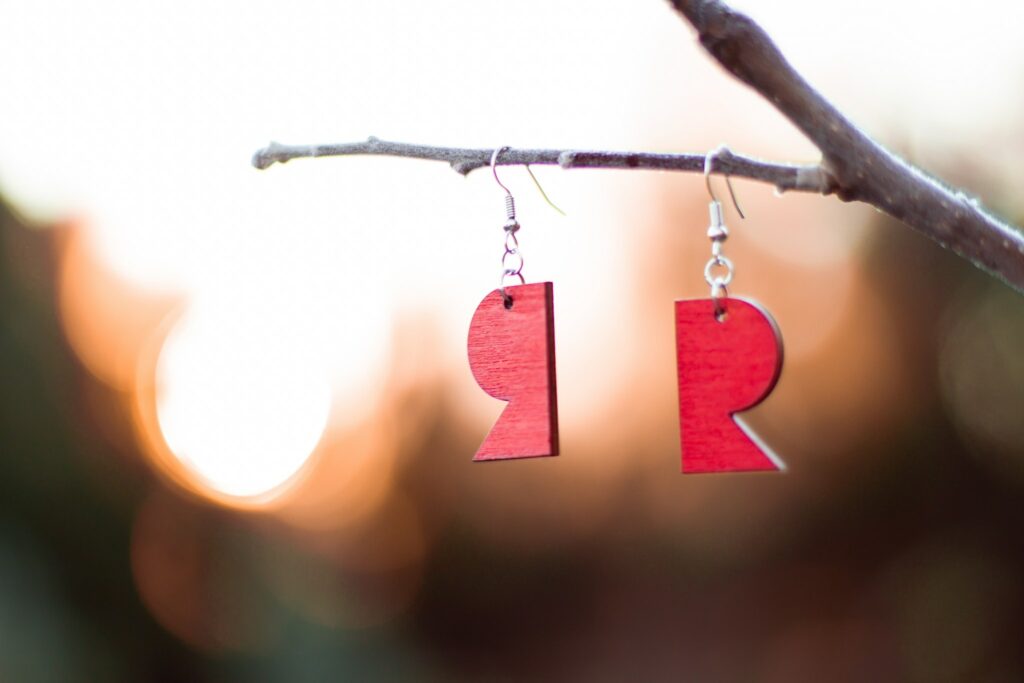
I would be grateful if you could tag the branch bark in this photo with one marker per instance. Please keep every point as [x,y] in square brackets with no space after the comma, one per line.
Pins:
[853,166]
[858,168]
[808,178]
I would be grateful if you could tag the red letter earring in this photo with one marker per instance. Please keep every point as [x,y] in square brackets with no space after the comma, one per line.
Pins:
[512,355]
[729,354]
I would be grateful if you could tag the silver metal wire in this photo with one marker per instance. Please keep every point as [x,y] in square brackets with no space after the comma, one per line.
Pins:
[510,207]
[719,280]
[512,259]
[718,233]
[494,168]
[511,242]
[709,160]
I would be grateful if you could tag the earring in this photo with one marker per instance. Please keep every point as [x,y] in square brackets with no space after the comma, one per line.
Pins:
[511,348]
[729,355]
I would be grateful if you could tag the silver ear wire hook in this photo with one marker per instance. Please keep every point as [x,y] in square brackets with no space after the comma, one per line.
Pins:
[515,267]
[540,188]
[718,233]
[494,168]
[708,163]
[510,204]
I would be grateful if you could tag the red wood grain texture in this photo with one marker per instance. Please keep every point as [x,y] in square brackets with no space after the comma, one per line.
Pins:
[724,367]
[512,356]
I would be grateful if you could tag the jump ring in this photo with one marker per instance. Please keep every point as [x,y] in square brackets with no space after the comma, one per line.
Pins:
[519,262]
[510,237]
[507,274]
[718,261]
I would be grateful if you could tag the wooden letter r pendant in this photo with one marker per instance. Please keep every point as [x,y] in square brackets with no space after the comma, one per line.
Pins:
[725,366]
[512,357]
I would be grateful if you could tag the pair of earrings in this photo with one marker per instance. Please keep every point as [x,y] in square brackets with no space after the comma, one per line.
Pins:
[728,353]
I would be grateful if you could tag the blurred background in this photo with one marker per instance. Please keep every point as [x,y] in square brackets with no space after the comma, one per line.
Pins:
[236,419]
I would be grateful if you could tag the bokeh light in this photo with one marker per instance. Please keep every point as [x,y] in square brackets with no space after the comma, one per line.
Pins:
[238,404]
[236,419]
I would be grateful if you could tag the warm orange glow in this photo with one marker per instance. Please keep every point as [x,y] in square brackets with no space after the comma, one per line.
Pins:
[230,409]
[240,411]
[227,408]
[106,320]
[348,484]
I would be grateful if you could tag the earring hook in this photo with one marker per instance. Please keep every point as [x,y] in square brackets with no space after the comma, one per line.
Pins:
[512,225]
[540,188]
[494,168]
[708,163]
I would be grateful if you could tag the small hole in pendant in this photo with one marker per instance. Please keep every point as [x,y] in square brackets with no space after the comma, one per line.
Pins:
[721,315]
[508,303]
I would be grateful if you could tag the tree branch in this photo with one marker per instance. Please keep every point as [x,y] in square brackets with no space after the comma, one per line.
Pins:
[783,176]
[859,169]
[853,167]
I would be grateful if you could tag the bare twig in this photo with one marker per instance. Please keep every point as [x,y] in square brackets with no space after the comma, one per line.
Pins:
[783,176]
[858,168]
[853,167]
